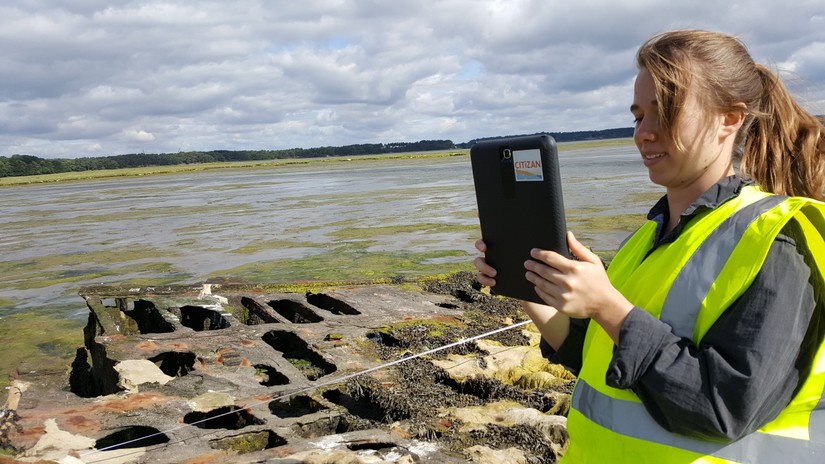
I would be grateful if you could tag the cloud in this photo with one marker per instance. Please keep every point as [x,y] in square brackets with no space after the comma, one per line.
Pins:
[138,135]
[85,78]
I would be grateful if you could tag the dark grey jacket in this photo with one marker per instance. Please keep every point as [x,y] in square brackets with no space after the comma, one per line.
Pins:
[748,365]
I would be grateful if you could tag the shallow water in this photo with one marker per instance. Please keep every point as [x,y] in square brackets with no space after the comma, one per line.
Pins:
[186,228]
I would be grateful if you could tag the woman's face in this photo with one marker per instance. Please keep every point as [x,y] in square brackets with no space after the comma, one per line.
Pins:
[700,161]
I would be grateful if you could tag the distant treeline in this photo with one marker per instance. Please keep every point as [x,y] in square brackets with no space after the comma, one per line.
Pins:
[27,165]
[573,136]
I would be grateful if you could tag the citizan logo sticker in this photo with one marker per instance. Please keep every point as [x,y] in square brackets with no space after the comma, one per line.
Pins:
[527,164]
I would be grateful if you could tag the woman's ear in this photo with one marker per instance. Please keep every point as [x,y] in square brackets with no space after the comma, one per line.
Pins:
[733,119]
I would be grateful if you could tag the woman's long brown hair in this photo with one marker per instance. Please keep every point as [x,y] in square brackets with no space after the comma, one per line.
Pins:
[782,146]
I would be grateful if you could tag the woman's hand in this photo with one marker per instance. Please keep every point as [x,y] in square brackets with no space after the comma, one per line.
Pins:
[486,273]
[579,289]
[553,325]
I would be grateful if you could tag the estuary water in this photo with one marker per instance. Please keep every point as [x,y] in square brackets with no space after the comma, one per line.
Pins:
[336,220]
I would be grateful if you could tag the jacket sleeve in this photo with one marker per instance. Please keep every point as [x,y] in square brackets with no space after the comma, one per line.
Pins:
[748,365]
[569,353]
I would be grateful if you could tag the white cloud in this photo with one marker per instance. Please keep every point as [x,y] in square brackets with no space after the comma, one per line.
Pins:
[86,78]
[138,135]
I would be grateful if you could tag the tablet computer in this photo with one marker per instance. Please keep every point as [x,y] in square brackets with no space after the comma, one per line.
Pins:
[520,206]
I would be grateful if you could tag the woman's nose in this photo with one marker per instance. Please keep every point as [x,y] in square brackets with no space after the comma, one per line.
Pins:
[645,132]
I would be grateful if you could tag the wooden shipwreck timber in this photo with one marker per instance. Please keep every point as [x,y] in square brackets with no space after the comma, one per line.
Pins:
[224,372]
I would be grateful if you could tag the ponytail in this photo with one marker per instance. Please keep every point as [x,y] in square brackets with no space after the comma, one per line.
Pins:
[784,148]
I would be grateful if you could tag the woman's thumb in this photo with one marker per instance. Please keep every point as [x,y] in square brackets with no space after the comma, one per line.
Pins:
[580,251]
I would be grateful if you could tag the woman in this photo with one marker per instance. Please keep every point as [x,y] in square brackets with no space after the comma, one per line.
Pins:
[703,341]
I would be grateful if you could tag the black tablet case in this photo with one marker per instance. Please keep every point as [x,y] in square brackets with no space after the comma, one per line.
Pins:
[520,206]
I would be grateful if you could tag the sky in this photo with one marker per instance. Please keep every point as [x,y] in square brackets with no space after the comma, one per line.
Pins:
[96,78]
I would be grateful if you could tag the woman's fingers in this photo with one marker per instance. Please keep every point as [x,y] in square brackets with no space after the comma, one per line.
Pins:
[486,273]
[545,289]
[576,287]
[485,280]
[546,264]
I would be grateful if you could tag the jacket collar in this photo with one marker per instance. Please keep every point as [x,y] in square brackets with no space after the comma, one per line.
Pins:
[722,191]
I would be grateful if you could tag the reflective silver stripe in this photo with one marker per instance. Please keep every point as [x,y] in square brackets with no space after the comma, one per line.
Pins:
[631,419]
[691,286]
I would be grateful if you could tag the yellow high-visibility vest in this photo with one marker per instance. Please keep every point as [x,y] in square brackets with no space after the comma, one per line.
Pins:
[712,262]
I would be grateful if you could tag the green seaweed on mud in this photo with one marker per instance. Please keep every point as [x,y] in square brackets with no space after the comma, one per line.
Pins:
[350,261]
[45,271]
[354,233]
[357,199]
[35,341]
[467,214]
[644,198]
[614,222]
[39,219]
[274,244]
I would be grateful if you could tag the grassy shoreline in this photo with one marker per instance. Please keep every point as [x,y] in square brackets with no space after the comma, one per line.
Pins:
[292,162]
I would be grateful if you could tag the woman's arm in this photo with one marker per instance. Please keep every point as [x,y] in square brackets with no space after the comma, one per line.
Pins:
[553,325]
